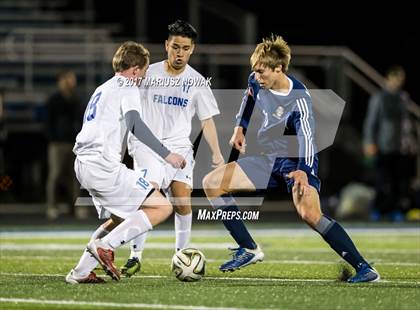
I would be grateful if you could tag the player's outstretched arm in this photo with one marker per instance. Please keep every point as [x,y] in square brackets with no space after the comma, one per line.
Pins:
[210,134]
[144,135]
[243,118]
[238,139]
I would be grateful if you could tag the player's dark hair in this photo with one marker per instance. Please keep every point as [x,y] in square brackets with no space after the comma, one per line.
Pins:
[395,70]
[130,54]
[63,74]
[183,29]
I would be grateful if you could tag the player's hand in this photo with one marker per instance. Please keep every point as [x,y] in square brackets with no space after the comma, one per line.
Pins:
[176,160]
[217,160]
[370,150]
[238,140]
[301,185]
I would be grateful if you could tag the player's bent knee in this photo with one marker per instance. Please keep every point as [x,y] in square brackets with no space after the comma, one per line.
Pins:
[309,216]
[217,182]
[165,207]
[311,219]
[207,181]
[157,203]
[158,213]
[211,184]
[167,210]
[182,209]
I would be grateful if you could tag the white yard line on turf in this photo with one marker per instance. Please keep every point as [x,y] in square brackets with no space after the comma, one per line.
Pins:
[113,304]
[170,245]
[276,280]
[167,260]
[285,232]
[80,246]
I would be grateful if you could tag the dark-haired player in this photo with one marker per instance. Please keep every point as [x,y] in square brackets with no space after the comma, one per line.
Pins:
[174,93]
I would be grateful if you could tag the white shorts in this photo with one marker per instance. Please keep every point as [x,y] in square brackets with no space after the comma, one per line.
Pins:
[116,190]
[155,169]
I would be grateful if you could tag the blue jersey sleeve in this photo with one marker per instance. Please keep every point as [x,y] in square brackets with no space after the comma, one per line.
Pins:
[305,129]
[248,102]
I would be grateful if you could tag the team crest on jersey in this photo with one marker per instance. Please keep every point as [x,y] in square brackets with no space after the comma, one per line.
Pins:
[279,112]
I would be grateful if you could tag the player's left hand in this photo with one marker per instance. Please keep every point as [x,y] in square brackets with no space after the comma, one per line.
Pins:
[217,160]
[238,140]
[301,181]
[177,161]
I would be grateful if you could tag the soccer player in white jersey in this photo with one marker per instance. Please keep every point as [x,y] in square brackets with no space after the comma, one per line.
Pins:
[175,92]
[111,113]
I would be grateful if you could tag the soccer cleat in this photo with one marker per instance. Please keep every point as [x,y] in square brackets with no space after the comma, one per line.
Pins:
[131,267]
[105,257]
[90,279]
[242,257]
[365,274]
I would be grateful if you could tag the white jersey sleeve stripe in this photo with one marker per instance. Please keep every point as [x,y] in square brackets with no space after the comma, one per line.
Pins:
[310,137]
[306,131]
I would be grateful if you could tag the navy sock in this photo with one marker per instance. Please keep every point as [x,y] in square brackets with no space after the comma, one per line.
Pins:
[341,243]
[238,230]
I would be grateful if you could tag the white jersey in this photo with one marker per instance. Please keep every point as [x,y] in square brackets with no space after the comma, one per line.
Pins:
[171,103]
[102,140]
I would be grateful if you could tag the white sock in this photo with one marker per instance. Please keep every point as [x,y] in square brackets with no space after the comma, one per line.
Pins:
[87,262]
[182,230]
[137,254]
[137,245]
[134,225]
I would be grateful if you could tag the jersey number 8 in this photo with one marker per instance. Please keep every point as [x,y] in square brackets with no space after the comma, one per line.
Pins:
[91,107]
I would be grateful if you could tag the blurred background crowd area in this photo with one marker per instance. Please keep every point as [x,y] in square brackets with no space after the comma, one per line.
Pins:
[59,51]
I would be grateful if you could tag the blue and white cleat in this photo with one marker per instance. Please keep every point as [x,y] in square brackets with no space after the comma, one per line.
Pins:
[366,274]
[242,257]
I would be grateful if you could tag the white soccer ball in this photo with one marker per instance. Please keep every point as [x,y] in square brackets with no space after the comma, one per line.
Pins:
[188,264]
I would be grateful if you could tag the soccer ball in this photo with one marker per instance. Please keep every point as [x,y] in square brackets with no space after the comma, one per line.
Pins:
[188,265]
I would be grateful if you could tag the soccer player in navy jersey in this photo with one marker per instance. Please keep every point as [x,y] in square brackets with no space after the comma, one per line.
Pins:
[288,122]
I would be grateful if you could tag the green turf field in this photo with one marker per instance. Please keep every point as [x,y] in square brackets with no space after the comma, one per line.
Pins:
[299,272]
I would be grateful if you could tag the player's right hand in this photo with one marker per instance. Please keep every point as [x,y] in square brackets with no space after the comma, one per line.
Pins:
[176,160]
[301,183]
[238,140]
[370,150]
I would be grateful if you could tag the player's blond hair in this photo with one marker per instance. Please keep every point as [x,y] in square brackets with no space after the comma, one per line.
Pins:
[130,54]
[272,52]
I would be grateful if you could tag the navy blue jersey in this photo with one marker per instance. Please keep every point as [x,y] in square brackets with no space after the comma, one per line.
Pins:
[288,122]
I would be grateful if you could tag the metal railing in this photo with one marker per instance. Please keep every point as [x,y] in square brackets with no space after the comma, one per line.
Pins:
[93,49]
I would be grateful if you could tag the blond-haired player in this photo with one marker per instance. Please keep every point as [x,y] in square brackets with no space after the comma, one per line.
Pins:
[111,113]
[288,122]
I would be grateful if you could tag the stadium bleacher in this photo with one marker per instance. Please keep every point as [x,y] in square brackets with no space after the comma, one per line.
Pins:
[38,38]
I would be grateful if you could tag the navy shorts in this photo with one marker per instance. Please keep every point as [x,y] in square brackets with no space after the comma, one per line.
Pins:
[267,171]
